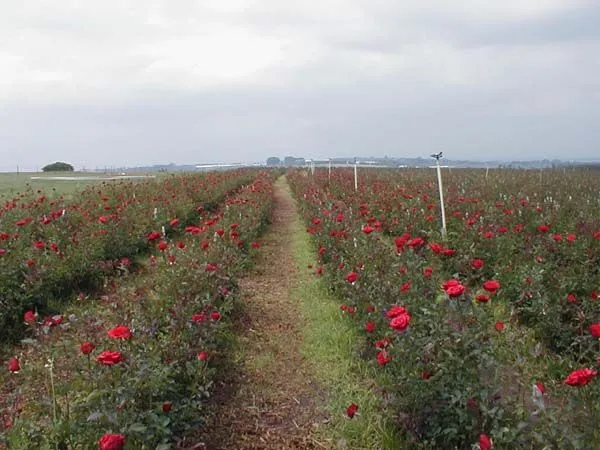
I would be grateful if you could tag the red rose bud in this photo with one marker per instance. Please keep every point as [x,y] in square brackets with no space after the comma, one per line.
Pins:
[87,348]
[351,410]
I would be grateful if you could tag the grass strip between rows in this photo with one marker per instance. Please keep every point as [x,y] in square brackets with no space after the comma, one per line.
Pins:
[329,343]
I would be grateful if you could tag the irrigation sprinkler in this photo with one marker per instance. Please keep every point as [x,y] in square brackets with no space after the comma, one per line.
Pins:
[437,157]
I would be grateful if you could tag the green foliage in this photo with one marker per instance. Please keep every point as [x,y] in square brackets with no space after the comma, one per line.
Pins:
[58,167]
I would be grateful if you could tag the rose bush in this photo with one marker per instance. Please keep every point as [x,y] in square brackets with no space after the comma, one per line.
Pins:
[129,364]
[498,305]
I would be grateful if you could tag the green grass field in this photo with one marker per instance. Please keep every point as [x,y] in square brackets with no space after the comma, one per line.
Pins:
[11,183]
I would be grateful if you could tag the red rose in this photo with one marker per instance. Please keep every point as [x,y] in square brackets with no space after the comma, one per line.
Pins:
[351,277]
[499,326]
[595,330]
[167,406]
[491,286]
[202,356]
[215,315]
[174,222]
[351,410]
[14,365]
[162,246]
[571,298]
[120,332]
[427,272]
[580,377]
[367,229]
[111,442]
[482,298]
[199,318]
[110,358]
[383,358]
[455,291]
[153,235]
[255,245]
[485,443]
[87,348]
[40,245]
[29,317]
[395,311]
[370,327]
[543,228]
[477,264]
[401,322]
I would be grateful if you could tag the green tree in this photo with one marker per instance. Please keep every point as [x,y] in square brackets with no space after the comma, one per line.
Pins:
[58,167]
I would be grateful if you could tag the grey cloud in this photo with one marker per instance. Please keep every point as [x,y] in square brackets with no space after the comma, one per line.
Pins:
[370,78]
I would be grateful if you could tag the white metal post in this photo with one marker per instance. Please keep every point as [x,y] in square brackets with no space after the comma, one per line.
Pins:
[356,175]
[439,177]
[329,168]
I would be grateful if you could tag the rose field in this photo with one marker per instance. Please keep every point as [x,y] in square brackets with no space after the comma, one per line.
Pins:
[246,309]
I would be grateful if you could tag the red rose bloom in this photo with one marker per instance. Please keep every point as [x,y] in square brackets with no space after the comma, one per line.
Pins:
[383,358]
[167,406]
[395,311]
[87,348]
[455,290]
[499,326]
[215,315]
[351,410]
[14,365]
[477,264]
[370,327]
[29,317]
[162,246]
[368,229]
[595,330]
[111,442]
[110,358]
[580,377]
[202,356]
[481,298]
[351,277]
[401,322]
[485,443]
[120,332]
[491,286]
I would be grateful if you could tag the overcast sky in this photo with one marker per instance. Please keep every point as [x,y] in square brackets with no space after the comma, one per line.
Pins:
[132,82]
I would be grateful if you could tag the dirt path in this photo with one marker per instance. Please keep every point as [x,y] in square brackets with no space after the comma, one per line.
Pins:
[273,402]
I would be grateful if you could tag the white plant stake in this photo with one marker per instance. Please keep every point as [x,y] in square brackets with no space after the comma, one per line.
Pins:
[437,157]
[330,169]
[356,175]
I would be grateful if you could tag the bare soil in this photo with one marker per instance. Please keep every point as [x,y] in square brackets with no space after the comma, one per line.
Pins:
[271,401]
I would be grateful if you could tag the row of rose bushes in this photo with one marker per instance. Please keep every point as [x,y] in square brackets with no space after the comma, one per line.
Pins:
[50,247]
[464,330]
[134,369]
[541,238]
